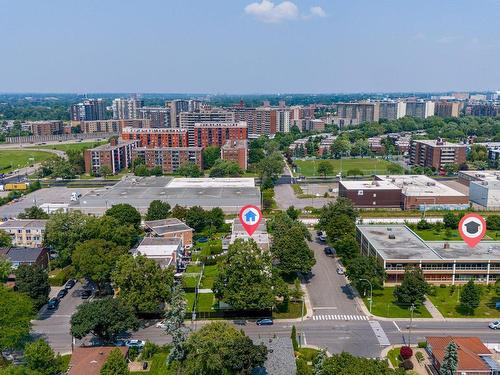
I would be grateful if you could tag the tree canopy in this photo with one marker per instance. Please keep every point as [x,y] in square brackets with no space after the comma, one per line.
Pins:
[40,357]
[413,288]
[116,364]
[225,168]
[16,312]
[5,239]
[34,282]
[158,210]
[347,364]
[210,155]
[33,212]
[125,214]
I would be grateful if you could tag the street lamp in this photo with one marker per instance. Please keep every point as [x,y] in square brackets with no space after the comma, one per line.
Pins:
[371,292]
[412,308]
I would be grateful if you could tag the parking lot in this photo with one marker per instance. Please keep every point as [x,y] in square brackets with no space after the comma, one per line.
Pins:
[54,325]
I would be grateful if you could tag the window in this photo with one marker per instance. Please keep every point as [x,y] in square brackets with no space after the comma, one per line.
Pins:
[374,195]
[360,192]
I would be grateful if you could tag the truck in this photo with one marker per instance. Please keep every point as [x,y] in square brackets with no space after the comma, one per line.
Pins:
[16,186]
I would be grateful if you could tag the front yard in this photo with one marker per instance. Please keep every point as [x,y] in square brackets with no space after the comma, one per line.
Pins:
[385,305]
[447,301]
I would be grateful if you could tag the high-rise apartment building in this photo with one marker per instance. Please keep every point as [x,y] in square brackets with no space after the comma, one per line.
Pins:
[156,137]
[482,110]
[187,120]
[126,108]
[436,153]
[283,120]
[88,110]
[356,113]
[217,133]
[447,109]
[159,116]
[392,110]
[177,107]
[420,109]
[260,121]
[109,126]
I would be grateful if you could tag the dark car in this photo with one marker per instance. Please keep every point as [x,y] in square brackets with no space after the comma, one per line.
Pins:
[53,304]
[329,250]
[62,293]
[265,322]
[86,294]
[70,284]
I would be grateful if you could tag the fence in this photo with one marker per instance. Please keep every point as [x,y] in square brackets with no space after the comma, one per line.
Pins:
[57,137]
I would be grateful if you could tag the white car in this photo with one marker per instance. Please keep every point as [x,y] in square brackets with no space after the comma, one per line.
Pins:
[494,325]
[340,270]
[135,344]
[161,325]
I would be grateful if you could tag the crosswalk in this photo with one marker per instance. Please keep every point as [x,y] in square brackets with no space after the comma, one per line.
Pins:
[339,317]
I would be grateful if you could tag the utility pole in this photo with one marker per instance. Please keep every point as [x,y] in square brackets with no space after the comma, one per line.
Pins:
[412,308]
[371,292]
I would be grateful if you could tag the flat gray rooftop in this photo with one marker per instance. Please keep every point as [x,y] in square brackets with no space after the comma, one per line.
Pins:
[141,191]
[405,245]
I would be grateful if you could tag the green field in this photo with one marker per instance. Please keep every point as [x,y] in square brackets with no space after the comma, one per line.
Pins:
[71,146]
[368,166]
[384,304]
[448,303]
[15,159]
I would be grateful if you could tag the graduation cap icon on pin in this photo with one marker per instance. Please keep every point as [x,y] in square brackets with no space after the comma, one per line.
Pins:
[472,227]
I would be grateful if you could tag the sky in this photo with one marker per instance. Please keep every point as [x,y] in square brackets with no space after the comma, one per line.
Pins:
[249,46]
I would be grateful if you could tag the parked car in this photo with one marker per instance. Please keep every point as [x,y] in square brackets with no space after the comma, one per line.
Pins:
[494,325]
[62,293]
[161,325]
[340,270]
[265,322]
[70,284]
[135,344]
[322,238]
[119,342]
[329,250]
[86,294]
[53,304]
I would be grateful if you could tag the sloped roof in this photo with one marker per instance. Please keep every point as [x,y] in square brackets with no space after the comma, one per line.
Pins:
[89,360]
[469,351]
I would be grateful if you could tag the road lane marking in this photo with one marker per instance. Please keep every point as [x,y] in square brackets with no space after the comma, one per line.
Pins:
[339,317]
[325,308]
[379,333]
[397,327]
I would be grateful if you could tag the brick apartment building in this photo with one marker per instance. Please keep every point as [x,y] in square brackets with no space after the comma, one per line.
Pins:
[169,158]
[447,109]
[43,128]
[156,137]
[260,121]
[110,126]
[217,133]
[237,151]
[116,156]
[436,153]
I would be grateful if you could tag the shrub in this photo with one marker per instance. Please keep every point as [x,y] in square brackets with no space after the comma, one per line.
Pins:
[60,278]
[432,291]
[452,289]
[133,352]
[442,286]
[150,349]
[407,364]
[422,344]
[295,344]
[405,352]
[419,356]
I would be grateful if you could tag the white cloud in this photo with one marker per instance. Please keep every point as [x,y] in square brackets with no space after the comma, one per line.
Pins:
[269,12]
[317,11]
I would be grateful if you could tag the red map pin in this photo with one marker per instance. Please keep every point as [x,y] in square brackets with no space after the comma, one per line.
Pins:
[250,217]
[472,229]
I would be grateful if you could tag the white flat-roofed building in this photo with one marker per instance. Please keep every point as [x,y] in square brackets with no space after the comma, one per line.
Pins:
[486,194]
[260,236]
[164,251]
[465,177]
[442,262]
[212,182]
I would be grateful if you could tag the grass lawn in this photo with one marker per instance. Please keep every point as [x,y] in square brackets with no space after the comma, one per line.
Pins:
[14,159]
[192,268]
[394,357]
[190,301]
[65,362]
[212,246]
[368,166]
[80,146]
[189,281]
[448,303]
[158,366]
[289,310]
[205,302]
[209,276]
[431,235]
[384,304]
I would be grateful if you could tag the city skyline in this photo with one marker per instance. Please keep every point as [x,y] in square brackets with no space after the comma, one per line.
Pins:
[250,47]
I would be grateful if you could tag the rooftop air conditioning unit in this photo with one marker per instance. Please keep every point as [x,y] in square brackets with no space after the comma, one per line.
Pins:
[392,237]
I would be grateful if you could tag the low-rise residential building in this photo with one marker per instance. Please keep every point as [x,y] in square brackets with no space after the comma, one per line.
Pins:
[115,155]
[88,360]
[260,236]
[236,151]
[164,251]
[110,126]
[474,358]
[43,128]
[169,158]
[171,228]
[25,232]
[443,262]
[26,256]
[436,153]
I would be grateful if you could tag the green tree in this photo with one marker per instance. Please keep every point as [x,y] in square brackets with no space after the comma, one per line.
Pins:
[343,206]
[174,324]
[293,336]
[105,318]
[76,160]
[245,281]
[451,169]
[179,212]
[16,312]
[470,297]
[293,213]
[394,168]
[225,168]
[451,220]
[125,214]
[34,282]
[5,239]
[189,170]
[450,360]
[210,155]
[96,259]
[341,146]
[110,229]
[215,217]
[158,210]
[360,148]
[363,267]
[268,198]
[325,168]
[492,222]
[218,348]
[40,357]
[196,218]
[347,247]
[270,168]
[34,213]
[339,227]
[413,288]
[116,364]
[105,171]
[143,285]
[347,364]
[5,268]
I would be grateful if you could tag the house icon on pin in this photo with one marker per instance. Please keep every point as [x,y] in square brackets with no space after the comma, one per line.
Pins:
[250,216]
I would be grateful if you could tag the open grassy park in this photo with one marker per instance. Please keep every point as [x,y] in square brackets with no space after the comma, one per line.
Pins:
[368,166]
[384,304]
[15,159]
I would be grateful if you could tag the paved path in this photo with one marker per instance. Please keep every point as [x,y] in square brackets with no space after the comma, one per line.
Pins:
[435,313]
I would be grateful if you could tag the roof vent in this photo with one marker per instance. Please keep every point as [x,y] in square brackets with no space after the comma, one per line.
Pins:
[446,245]
[392,237]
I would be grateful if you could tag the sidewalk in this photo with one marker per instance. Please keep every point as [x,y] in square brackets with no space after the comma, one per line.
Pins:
[435,313]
